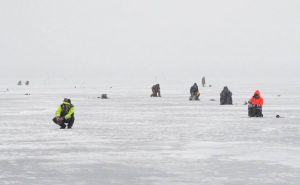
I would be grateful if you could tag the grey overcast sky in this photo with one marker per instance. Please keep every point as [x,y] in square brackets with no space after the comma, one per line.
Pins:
[130,39]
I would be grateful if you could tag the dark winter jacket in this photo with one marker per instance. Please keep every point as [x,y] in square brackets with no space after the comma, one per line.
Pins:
[155,91]
[156,88]
[194,89]
[226,97]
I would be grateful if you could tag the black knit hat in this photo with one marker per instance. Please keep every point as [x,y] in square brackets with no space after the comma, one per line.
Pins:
[67,100]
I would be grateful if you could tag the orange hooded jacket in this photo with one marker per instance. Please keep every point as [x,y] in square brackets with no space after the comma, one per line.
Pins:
[257,101]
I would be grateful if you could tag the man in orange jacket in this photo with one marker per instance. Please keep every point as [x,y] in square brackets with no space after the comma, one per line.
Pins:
[255,105]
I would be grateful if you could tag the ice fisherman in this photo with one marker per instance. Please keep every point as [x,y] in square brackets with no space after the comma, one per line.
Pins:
[226,97]
[155,91]
[255,105]
[65,114]
[203,81]
[194,91]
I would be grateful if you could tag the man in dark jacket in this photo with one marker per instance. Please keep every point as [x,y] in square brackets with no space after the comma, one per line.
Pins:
[194,91]
[65,114]
[226,97]
[155,91]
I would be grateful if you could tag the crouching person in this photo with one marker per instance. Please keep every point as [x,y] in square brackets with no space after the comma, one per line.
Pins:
[226,97]
[155,91]
[255,105]
[194,91]
[65,114]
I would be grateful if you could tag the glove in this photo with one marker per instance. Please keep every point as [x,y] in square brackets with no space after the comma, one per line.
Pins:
[250,104]
[60,119]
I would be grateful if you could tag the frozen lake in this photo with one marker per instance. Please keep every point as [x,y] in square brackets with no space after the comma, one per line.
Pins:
[132,139]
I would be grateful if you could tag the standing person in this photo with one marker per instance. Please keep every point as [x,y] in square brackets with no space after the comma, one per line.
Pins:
[203,81]
[255,105]
[155,91]
[226,97]
[194,91]
[65,114]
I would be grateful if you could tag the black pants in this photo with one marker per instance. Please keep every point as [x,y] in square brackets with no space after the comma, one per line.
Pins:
[255,112]
[194,96]
[155,93]
[226,100]
[62,124]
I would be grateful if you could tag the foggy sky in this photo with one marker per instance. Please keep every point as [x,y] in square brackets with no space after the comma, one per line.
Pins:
[129,39]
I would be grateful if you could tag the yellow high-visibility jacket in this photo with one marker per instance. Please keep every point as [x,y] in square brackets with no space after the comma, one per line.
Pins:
[65,110]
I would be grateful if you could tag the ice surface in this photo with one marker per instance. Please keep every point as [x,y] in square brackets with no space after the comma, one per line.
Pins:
[132,139]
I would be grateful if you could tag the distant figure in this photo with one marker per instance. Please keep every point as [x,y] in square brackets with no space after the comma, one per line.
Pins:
[155,91]
[19,82]
[194,91]
[104,96]
[226,97]
[203,81]
[65,114]
[27,83]
[255,105]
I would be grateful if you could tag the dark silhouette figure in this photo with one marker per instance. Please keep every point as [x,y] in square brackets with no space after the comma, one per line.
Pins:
[194,91]
[203,81]
[155,91]
[226,97]
[104,96]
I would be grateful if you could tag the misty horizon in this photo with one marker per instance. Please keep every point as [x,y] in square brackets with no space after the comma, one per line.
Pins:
[157,40]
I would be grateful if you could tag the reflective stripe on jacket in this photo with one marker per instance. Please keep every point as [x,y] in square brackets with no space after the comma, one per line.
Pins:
[65,110]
